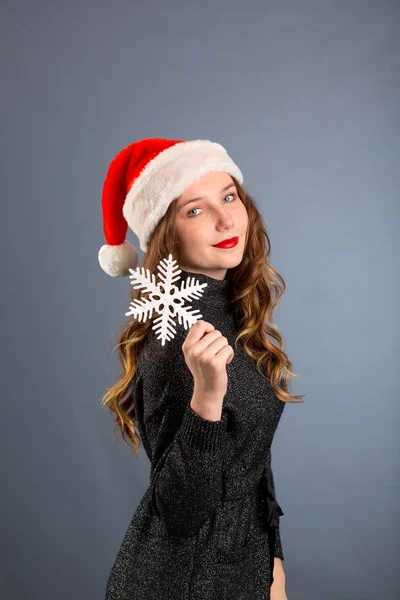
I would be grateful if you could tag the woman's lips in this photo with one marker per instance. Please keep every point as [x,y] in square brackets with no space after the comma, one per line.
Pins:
[227,243]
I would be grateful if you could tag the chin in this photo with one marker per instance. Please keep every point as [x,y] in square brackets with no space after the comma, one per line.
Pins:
[232,261]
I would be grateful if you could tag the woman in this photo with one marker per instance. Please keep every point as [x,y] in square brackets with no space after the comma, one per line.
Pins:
[207,402]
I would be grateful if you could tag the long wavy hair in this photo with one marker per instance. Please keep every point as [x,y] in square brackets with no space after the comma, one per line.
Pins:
[257,289]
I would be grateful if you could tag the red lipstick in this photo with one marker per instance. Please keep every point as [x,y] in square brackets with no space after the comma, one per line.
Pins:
[227,243]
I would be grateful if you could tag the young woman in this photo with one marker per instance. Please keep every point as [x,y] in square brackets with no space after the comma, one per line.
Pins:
[206,404]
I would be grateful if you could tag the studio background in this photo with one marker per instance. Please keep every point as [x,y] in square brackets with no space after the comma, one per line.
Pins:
[305,97]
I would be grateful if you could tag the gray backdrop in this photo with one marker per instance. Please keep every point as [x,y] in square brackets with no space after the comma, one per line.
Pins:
[305,97]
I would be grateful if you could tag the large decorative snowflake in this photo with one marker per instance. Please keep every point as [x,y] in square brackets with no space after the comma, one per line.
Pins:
[165,298]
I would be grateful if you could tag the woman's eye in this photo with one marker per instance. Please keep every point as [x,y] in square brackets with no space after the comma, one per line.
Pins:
[197,209]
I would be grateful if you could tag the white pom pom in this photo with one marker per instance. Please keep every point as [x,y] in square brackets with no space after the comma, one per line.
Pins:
[117,260]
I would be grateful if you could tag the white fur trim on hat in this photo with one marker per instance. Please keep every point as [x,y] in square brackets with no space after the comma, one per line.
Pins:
[166,177]
[117,260]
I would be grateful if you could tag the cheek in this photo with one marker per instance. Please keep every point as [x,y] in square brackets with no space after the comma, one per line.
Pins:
[243,214]
[191,225]
[190,232]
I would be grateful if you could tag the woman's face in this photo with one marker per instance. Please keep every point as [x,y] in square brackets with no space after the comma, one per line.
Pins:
[218,214]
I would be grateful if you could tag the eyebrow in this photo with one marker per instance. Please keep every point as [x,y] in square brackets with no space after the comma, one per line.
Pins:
[227,187]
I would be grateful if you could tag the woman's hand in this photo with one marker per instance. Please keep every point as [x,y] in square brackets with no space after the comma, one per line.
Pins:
[207,353]
[278,591]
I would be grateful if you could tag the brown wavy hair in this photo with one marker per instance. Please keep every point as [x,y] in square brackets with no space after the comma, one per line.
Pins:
[257,289]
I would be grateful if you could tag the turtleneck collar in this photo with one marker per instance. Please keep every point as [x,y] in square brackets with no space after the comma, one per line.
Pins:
[218,292]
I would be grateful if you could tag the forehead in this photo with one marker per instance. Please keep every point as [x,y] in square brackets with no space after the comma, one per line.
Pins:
[207,184]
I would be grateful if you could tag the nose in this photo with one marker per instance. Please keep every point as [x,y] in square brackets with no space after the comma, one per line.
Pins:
[223,217]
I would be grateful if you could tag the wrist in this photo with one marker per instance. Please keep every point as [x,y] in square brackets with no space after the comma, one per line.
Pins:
[208,406]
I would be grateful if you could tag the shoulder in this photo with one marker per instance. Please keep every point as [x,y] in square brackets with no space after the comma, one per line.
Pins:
[155,358]
[164,364]
[162,373]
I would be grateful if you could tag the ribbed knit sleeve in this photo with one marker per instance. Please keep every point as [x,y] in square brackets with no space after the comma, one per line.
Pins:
[185,450]
[278,542]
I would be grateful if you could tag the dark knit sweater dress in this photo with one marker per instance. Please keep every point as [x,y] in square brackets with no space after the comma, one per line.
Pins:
[207,527]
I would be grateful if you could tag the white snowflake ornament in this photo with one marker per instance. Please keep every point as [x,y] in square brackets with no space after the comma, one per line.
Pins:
[165,298]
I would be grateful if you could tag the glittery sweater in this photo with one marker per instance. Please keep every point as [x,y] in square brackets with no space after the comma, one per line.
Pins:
[207,527]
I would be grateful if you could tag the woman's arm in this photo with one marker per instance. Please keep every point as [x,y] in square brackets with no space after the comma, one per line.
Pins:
[278,588]
[278,591]
[185,449]
[278,541]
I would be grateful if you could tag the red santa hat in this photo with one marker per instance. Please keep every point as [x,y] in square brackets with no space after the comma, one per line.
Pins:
[141,182]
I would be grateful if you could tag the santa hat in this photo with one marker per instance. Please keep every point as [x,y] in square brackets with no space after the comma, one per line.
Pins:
[141,182]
